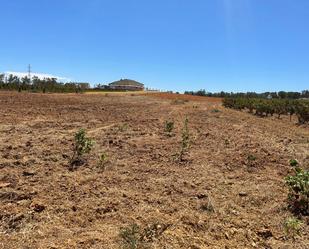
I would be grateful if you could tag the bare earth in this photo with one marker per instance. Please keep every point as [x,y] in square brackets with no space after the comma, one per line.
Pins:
[216,198]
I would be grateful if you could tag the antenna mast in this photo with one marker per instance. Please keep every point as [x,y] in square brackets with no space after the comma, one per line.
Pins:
[29,72]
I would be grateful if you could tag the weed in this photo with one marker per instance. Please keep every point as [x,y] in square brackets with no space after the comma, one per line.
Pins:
[153,231]
[208,206]
[251,157]
[292,227]
[299,191]
[185,140]
[169,126]
[103,159]
[82,145]
[131,236]
[123,127]
[179,101]
[215,111]
[293,162]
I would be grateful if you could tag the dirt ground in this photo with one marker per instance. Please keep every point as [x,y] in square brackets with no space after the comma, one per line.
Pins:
[229,191]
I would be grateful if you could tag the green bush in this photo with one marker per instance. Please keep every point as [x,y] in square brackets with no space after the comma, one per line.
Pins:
[292,227]
[299,191]
[293,162]
[302,111]
[82,145]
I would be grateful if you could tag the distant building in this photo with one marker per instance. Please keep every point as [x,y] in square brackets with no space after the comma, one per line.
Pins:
[127,85]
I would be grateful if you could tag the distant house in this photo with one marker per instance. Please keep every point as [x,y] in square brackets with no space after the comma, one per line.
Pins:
[126,85]
[269,96]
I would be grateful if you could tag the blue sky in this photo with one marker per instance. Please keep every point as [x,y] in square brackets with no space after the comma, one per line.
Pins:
[230,45]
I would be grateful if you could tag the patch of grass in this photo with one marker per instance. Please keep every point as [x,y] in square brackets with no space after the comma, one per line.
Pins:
[293,162]
[103,159]
[123,127]
[215,111]
[251,157]
[169,126]
[179,101]
[131,236]
[292,227]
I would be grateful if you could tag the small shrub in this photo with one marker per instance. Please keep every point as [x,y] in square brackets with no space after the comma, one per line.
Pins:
[185,140]
[169,126]
[134,236]
[82,145]
[131,236]
[251,157]
[293,162]
[292,227]
[207,205]
[299,191]
[103,159]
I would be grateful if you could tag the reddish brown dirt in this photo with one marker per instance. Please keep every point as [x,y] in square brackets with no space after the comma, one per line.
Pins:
[216,198]
[173,96]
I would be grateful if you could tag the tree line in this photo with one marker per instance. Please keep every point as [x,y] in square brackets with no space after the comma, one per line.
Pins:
[266,107]
[272,95]
[35,84]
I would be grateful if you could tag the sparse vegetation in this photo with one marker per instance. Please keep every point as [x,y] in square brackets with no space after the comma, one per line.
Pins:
[169,126]
[293,162]
[123,127]
[215,111]
[292,227]
[185,140]
[131,237]
[179,101]
[299,191]
[251,157]
[134,236]
[103,159]
[143,182]
[82,145]
[207,205]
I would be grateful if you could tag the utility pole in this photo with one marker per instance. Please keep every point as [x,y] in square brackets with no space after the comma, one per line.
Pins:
[29,73]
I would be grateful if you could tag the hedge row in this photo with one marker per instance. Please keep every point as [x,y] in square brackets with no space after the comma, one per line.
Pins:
[265,107]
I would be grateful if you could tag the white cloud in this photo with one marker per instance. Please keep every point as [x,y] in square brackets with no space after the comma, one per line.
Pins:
[39,75]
